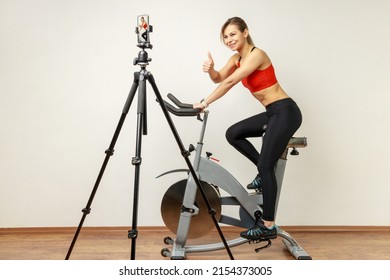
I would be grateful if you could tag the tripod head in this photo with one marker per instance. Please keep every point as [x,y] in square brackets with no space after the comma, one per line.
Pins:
[142,58]
[142,30]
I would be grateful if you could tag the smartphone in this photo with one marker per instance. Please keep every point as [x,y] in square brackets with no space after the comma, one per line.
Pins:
[143,28]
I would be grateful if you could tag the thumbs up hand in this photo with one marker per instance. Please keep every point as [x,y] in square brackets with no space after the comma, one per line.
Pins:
[208,64]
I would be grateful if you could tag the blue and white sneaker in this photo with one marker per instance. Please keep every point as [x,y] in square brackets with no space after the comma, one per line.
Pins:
[259,232]
[256,184]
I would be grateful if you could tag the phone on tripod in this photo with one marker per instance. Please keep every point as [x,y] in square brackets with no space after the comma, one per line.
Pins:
[143,29]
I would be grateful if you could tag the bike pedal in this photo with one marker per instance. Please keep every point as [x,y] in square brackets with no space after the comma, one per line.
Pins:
[257,241]
[269,243]
[256,192]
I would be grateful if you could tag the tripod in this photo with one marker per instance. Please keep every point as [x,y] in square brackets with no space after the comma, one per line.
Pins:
[140,83]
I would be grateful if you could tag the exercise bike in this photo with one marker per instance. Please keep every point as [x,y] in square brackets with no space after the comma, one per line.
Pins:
[183,209]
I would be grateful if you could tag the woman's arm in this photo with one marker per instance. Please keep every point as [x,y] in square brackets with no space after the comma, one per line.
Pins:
[223,73]
[252,61]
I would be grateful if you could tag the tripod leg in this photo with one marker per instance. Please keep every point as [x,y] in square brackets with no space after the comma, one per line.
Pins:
[109,152]
[186,154]
[136,161]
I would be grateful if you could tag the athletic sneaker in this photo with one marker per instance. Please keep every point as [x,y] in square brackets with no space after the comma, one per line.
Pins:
[256,184]
[259,232]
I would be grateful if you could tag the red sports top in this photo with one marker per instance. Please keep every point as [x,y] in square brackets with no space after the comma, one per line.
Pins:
[260,79]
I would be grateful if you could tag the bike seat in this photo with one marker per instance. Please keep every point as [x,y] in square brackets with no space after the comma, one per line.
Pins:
[297,142]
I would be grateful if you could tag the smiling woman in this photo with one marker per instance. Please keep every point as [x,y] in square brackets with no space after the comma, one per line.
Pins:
[235,22]
[282,118]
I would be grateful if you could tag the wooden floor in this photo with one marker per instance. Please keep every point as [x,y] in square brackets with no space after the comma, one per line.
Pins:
[113,244]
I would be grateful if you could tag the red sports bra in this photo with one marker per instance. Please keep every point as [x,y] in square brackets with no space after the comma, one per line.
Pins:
[259,79]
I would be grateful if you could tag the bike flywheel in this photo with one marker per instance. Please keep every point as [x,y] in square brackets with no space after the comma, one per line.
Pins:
[202,223]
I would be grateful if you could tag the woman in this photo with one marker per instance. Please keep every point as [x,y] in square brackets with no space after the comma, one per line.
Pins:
[143,27]
[252,66]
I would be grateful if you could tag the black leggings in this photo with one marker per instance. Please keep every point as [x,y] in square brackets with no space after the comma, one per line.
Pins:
[277,125]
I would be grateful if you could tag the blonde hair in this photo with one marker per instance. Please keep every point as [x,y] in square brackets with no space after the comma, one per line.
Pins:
[240,23]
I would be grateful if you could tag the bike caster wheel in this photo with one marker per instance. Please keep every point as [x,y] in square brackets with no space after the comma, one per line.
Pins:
[168,240]
[165,252]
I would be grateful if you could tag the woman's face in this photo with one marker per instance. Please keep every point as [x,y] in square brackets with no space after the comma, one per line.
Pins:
[233,38]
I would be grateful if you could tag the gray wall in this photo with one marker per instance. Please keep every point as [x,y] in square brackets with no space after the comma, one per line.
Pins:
[66,70]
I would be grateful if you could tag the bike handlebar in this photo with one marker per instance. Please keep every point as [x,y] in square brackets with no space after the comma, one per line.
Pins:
[184,110]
